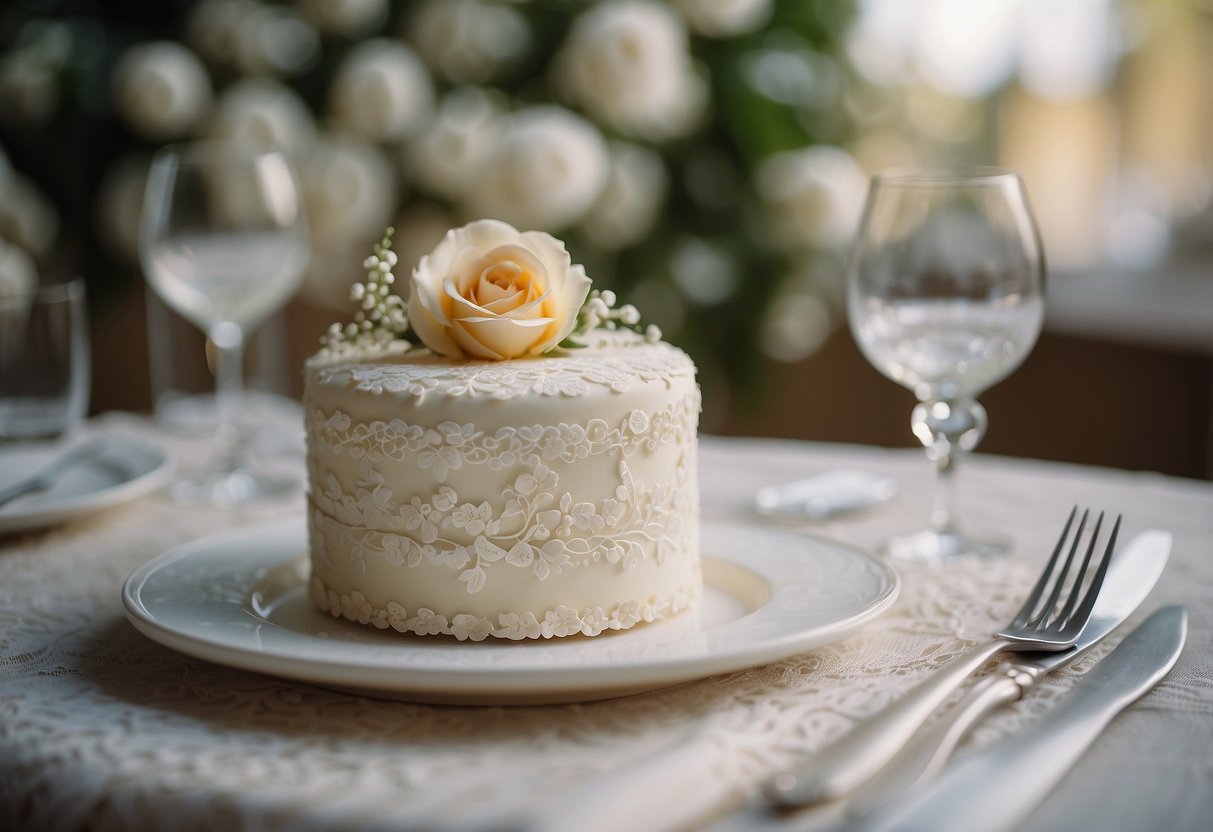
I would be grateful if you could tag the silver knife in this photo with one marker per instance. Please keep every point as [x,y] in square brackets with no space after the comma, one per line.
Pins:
[997,787]
[1130,580]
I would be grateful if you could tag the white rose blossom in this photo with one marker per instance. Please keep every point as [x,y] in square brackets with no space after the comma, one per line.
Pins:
[447,155]
[628,64]
[264,113]
[490,291]
[725,18]
[381,91]
[548,166]
[272,40]
[345,17]
[349,193]
[349,190]
[468,41]
[631,200]
[546,169]
[162,89]
[813,196]
[213,28]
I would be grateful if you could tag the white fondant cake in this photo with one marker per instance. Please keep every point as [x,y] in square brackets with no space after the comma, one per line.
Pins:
[532,497]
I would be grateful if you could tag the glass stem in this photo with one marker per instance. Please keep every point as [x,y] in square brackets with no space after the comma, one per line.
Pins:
[947,428]
[228,340]
[943,513]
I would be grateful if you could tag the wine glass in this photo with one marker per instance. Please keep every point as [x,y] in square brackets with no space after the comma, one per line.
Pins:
[945,295]
[224,242]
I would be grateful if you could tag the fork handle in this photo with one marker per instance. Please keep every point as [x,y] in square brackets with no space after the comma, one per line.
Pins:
[926,754]
[853,760]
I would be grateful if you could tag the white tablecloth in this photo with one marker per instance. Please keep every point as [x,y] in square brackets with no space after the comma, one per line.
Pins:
[100,728]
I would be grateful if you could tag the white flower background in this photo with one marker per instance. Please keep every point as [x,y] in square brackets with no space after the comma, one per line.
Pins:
[702,158]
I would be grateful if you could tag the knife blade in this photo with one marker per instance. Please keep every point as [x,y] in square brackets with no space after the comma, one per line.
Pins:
[1135,571]
[998,787]
[852,762]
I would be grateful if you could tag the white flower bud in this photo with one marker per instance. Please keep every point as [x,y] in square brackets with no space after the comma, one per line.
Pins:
[608,297]
[629,315]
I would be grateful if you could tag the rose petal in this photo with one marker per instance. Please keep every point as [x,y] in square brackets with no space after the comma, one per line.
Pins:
[426,327]
[576,289]
[507,303]
[502,336]
[489,292]
[470,346]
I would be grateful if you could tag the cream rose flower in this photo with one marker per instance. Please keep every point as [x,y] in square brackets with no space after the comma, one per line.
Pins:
[162,89]
[468,41]
[490,291]
[725,18]
[382,91]
[813,196]
[263,112]
[547,166]
[629,65]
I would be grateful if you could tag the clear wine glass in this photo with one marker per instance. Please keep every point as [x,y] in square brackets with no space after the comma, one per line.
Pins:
[945,295]
[224,242]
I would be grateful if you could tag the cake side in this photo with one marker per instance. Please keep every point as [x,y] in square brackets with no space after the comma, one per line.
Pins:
[535,497]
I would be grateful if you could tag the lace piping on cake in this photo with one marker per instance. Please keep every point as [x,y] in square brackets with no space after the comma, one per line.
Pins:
[537,527]
[556,623]
[450,445]
[571,376]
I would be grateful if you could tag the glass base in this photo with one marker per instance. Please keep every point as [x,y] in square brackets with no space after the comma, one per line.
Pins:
[932,546]
[229,488]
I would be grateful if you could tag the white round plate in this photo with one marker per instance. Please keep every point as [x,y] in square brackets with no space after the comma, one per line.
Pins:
[125,468]
[241,600]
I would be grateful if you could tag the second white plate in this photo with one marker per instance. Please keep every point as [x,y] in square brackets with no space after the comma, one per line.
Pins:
[125,469]
[241,600]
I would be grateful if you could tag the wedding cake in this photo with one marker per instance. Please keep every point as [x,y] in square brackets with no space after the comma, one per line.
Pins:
[527,470]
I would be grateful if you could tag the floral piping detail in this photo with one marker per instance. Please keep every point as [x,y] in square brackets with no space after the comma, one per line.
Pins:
[573,376]
[559,622]
[451,445]
[537,526]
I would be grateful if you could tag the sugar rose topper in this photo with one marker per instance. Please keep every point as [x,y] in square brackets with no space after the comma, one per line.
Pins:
[487,291]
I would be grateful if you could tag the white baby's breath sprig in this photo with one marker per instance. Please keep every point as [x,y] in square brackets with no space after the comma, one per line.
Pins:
[599,312]
[381,323]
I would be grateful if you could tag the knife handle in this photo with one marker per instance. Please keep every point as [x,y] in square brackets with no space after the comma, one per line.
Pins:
[853,760]
[928,751]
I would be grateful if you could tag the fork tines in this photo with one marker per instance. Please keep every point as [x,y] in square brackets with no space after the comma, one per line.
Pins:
[1077,604]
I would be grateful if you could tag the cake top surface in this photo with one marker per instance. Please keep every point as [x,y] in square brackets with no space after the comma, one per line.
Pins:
[610,361]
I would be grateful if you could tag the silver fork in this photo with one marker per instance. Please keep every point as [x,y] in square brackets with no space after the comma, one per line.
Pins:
[1047,621]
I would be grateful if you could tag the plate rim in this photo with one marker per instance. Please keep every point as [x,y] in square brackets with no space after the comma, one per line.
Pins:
[465,684]
[78,505]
